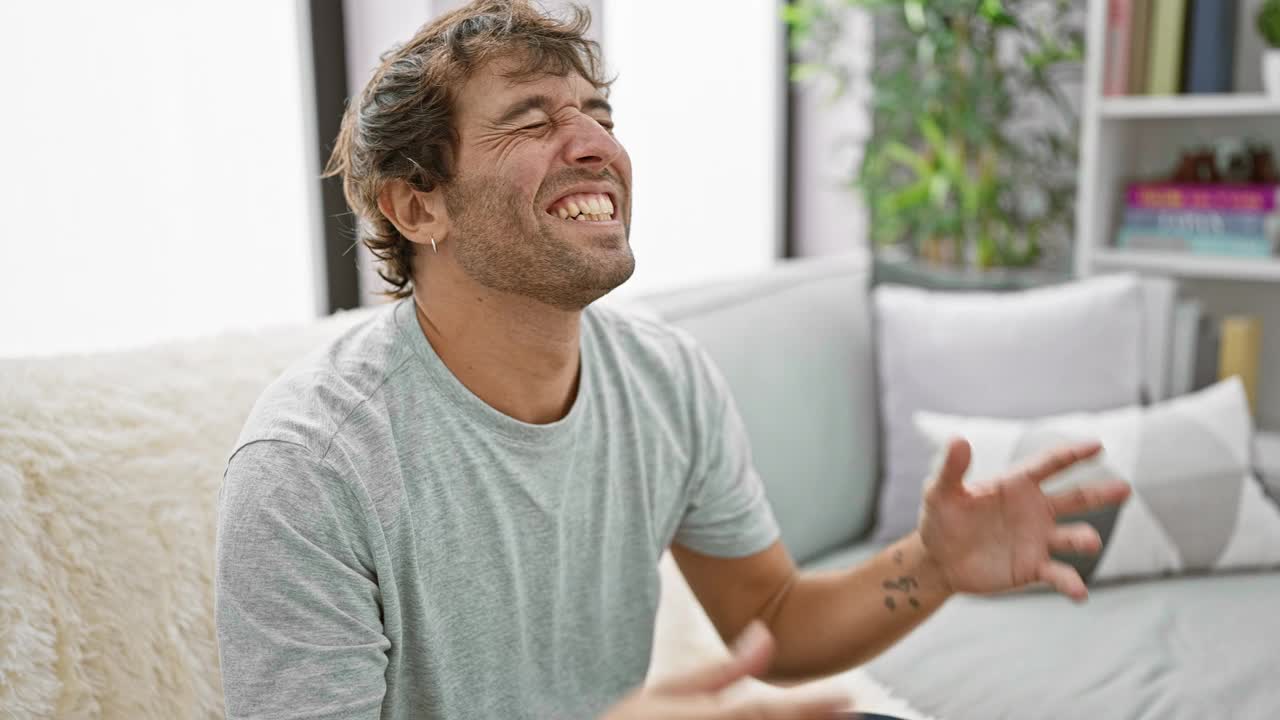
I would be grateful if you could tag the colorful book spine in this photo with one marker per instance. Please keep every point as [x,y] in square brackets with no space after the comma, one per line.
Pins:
[1210,46]
[1119,21]
[1140,34]
[1240,352]
[1204,222]
[1243,246]
[1223,198]
[1168,25]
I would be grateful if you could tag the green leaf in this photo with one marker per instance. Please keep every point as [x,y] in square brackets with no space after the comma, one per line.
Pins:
[909,158]
[913,12]
[805,71]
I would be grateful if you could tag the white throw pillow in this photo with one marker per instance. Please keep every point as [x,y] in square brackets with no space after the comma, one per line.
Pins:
[1196,504]
[1065,348]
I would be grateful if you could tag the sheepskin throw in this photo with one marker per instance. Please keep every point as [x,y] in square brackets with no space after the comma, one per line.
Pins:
[109,473]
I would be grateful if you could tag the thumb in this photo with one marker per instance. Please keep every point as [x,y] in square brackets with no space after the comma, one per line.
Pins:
[954,464]
[751,654]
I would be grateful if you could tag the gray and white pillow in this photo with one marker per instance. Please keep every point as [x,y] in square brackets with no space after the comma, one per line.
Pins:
[1196,504]
[1065,348]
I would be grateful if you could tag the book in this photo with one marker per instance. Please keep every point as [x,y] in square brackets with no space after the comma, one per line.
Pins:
[1186,334]
[1232,198]
[1206,360]
[1204,222]
[1158,301]
[1240,351]
[1210,46]
[1139,34]
[1119,17]
[1248,49]
[1244,246]
[1168,24]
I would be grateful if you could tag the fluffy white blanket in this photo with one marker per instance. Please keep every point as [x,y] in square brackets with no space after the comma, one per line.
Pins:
[109,474]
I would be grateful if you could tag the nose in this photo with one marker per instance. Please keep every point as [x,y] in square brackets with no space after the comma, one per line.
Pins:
[591,146]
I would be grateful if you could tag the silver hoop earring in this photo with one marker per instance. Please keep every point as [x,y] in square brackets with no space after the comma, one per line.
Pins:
[433,245]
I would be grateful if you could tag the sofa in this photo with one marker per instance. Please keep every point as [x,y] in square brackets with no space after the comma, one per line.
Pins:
[110,467]
[797,348]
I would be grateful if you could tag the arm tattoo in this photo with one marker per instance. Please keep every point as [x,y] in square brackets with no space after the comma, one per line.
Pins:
[904,584]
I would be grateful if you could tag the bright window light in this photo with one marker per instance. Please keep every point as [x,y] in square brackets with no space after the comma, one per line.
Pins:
[702,120]
[159,175]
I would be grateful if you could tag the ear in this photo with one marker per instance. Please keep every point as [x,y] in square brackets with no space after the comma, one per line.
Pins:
[418,215]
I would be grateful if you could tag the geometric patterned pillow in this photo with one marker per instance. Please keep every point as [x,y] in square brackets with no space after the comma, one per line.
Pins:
[1195,505]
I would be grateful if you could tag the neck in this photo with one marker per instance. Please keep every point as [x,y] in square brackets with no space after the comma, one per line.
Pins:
[519,356]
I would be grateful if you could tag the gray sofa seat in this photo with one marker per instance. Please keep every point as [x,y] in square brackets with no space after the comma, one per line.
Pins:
[1197,646]
[1186,647]
[795,345]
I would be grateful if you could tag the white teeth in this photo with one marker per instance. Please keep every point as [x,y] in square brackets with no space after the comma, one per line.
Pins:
[596,208]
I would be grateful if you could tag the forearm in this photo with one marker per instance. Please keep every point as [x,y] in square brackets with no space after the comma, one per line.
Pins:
[827,622]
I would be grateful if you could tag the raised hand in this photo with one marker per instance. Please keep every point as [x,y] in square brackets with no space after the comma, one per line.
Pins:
[698,695]
[998,536]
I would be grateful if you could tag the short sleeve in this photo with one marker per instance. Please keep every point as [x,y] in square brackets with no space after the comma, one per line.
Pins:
[295,594]
[727,513]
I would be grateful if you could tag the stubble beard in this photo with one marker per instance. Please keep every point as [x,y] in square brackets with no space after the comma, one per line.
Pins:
[503,249]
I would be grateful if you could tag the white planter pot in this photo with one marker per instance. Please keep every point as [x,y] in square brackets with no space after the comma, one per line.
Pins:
[1271,72]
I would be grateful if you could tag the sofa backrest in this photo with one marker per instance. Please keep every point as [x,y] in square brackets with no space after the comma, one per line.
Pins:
[794,344]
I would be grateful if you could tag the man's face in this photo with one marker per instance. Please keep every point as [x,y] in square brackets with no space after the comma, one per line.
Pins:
[540,203]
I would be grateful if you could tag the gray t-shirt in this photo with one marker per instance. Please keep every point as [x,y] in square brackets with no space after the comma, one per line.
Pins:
[391,546]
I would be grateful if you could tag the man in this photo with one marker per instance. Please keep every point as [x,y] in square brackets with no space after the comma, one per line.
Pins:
[457,509]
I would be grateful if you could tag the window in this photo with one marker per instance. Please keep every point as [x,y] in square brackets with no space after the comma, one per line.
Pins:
[159,178]
[699,103]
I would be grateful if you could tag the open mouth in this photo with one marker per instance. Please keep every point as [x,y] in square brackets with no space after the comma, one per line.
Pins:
[584,207]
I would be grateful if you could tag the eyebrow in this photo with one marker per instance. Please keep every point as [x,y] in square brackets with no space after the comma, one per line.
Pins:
[544,103]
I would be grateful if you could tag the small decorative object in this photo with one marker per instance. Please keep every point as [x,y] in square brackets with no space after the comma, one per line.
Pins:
[1269,29]
[1196,167]
[1228,160]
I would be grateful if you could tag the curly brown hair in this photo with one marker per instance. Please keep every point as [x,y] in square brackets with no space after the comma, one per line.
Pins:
[401,126]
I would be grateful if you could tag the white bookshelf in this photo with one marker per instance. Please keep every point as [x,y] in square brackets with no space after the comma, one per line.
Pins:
[1188,106]
[1187,266]
[1137,137]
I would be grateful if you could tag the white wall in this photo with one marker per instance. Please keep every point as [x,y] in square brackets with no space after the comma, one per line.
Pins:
[698,104]
[157,177]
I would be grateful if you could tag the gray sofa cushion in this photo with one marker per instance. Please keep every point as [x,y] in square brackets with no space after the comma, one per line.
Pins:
[795,346]
[1195,646]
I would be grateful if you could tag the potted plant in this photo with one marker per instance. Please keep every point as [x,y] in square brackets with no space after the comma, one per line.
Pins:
[1269,28]
[972,156]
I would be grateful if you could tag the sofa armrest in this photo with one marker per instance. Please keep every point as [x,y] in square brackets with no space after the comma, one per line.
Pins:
[1266,460]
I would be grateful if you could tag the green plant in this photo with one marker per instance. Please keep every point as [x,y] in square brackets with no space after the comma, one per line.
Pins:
[1269,22]
[974,141]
